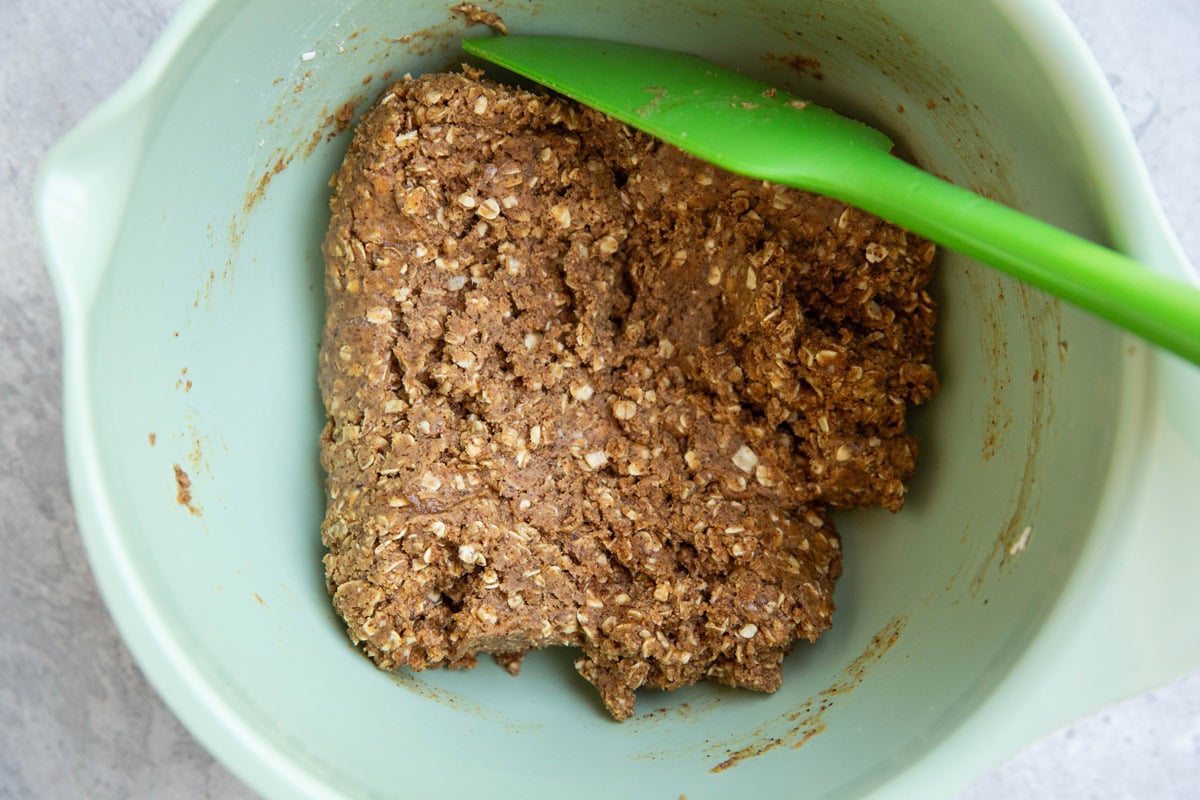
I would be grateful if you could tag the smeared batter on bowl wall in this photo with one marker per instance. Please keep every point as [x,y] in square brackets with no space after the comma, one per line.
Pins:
[586,390]
[808,719]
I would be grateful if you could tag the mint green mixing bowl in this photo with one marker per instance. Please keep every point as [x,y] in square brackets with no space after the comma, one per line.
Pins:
[1045,564]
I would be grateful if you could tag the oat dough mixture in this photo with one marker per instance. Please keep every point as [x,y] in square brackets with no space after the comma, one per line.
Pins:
[586,390]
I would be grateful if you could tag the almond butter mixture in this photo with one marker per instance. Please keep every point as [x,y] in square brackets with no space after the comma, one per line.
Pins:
[586,390]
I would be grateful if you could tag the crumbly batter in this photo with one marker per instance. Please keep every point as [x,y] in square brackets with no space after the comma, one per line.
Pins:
[586,390]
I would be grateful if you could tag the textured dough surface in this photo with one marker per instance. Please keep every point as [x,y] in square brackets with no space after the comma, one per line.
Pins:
[586,390]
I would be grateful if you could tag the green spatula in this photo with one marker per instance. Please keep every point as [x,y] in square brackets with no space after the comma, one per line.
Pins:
[747,127]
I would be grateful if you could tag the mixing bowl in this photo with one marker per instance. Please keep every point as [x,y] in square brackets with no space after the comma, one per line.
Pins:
[1044,564]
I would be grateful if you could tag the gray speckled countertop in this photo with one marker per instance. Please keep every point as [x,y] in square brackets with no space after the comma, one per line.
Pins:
[77,719]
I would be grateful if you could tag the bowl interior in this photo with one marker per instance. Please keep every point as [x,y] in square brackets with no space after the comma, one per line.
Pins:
[202,355]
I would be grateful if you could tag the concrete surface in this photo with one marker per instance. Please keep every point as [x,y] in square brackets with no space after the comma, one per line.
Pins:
[77,719]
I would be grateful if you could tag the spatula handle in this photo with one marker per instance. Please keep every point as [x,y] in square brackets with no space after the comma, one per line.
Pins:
[1126,292]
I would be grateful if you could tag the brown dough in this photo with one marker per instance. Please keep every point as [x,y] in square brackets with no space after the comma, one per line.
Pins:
[586,390]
